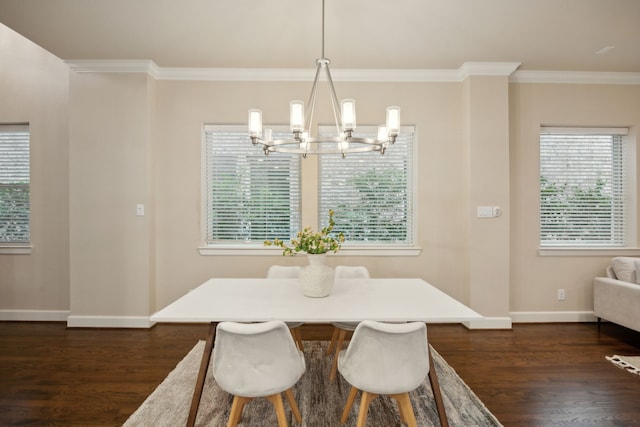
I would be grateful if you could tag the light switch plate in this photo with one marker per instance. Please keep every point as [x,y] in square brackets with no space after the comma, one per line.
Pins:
[485,211]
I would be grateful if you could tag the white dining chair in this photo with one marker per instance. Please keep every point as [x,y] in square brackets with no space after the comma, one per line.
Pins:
[385,359]
[288,272]
[257,360]
[340,329]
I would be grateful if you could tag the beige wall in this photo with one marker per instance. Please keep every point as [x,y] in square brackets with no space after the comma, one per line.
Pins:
[133,140]
[487,135]
[183,107]
[535,279]
[112,253]
[34,89]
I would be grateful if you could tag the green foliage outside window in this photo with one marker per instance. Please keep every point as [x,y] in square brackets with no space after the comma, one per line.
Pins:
[378,211]
[14,213]
[571,212]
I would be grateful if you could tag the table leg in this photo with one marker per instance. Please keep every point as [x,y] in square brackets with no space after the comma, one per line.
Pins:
[202,374]
[435,387]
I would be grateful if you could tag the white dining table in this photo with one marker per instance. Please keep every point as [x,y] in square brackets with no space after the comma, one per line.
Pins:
[351,300]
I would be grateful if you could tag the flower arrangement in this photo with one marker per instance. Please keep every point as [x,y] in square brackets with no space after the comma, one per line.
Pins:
[312,242]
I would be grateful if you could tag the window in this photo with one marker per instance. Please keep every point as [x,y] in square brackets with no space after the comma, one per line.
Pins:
[371,194]
[583,188]
[14,184]
[250,197]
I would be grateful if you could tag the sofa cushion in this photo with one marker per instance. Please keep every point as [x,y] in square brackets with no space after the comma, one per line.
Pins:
[625,268]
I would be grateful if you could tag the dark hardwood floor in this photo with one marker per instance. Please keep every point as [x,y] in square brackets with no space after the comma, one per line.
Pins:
[533,375]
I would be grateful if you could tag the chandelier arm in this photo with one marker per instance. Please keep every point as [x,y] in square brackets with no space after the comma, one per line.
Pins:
[298,150]
[319,140]
[337,115]
[312,97]
[313,145]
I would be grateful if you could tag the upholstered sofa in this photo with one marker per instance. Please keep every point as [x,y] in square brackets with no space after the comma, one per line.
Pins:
[616,298]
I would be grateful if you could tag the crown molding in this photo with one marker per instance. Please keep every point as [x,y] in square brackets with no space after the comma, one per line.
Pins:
[507,69]
[306,75]
[114,66]
[487,69]
[575,77]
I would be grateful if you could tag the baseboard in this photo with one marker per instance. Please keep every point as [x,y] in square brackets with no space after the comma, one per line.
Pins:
[109,322]
[34,315]
[489,323]
[552,316]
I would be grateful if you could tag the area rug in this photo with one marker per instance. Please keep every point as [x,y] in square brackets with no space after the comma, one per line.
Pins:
[629,363]
[320,401]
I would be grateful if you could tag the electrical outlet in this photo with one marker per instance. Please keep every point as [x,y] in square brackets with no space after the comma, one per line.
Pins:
[561,295]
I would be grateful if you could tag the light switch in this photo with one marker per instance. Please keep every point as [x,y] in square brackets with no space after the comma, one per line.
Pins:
[485,211]
[489,211]
[140,210]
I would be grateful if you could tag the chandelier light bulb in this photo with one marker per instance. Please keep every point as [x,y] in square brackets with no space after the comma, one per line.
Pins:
[393,121]
[383,133]
[297,116]
[348,115]
[268,132]
[255,123]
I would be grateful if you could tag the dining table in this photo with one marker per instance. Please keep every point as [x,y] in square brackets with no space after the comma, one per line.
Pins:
[350,300]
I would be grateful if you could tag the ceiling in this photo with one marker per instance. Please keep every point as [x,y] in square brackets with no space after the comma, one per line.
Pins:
[553,35]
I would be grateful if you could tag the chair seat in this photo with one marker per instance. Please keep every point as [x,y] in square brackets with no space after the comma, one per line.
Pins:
[292,325]
[257,360]
[340,329]
[347,326]
[385,359]
[288,272]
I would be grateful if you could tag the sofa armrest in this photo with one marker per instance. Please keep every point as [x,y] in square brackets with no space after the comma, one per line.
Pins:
[617,301]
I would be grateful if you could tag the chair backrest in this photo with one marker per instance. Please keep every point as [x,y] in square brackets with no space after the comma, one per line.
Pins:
[351,272]
[256,359]
[386,358]
[283,272]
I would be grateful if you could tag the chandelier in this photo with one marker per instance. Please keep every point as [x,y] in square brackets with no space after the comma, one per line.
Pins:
[344,113]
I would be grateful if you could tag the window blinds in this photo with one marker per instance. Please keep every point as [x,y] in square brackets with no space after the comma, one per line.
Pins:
[14,184]
[582,187]
[250,197]
[371,194]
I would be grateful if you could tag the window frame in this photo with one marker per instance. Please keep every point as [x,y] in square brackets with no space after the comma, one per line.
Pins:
[628,196]
[228,246]
[251,249]
[19,247]
[411,176]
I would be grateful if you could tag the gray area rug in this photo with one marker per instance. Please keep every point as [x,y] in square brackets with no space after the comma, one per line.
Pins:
[320,401]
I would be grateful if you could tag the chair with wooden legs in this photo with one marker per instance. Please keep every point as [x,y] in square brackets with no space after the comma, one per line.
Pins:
[385,359]
[340,329]
[257,360]
[288,272]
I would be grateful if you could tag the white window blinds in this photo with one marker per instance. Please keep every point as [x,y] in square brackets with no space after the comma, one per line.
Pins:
[582,187]
[249,197]
[14,184]
[372,194]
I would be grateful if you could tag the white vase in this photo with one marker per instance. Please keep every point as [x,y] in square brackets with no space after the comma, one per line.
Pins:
[316,278]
